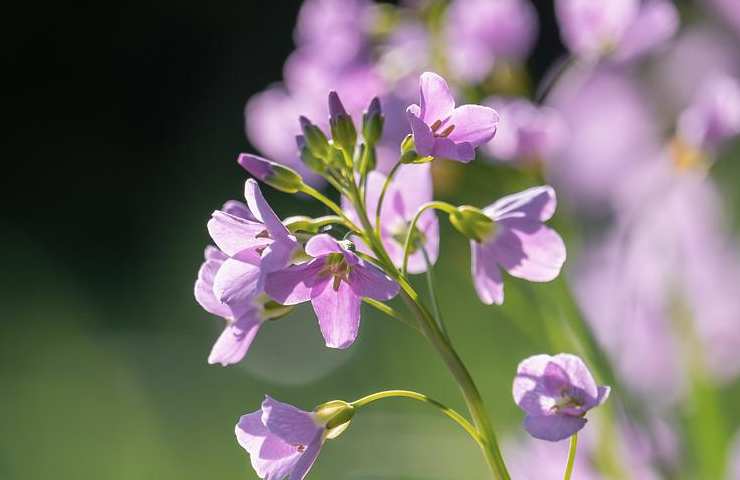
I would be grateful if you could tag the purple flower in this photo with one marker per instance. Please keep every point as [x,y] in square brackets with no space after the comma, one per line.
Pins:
[715,114]
[399,207]
[625,29]
[478,32]
[519,242]
[282,441]
[528,133]
[555,393]
[335,282]
[252,242]
[443,131]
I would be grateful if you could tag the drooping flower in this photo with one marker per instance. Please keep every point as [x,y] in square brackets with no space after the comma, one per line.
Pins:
[443,131]
[623,29]
[714,116]
[556,392]
[528,133]
[334,281]
[282,440]
[410,188]
[481,32]
[518,242]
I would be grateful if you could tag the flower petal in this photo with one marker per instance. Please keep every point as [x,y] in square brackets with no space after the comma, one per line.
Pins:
[446,148]
[234,234]
[423,137]
[235,340]
[536,203]
[291,424]
[486,275]
[238,209]
[270,456]
[656,22]
[529,389]
[367,280]
[263,212]
[578,373]
[553,428]
[307,460]
[237,282]
[323,244]
[435,100]
[204,284]
[529,250]
[338,312]
[294,284]
[474,124]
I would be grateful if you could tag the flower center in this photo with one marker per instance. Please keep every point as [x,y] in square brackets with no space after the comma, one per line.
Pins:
[336,266]
[300,448]
[444,133]
[567,401]
[417,240]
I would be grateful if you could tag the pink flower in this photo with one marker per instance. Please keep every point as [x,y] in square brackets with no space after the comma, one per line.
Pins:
[443,131]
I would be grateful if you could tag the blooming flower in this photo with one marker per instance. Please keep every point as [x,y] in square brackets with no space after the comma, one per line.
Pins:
[518,242]
[335,282]
[282,441]
[528,133]
[625,29]
[441,130]
[478,32]
[555,393]
[399,207]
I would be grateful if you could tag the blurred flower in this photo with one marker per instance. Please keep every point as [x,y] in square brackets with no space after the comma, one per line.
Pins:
[518,242]
[281,440]
[410,188]
[613,130]
[714,116]
[624,29]
[729,12]
[527,133]
[556,393]
[479,32]
[334,282]
[443,131]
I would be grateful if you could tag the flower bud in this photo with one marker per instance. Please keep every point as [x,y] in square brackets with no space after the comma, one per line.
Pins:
[412,157]
[335,415]
[273,174]
[407,144]
[472,223]
[343,130]
[307,157]
[368,158]
[372,122]
[313,136]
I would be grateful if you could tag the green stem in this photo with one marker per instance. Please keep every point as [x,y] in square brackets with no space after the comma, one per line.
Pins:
[386,184]
[308,190]
[459,419]
[571,457]
[383,308]
[443,206]
[433,294]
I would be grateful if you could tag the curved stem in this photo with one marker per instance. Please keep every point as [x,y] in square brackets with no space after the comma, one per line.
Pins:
[433,294]
[386,184]
[390,311]
[459,419]
[571,457]
[329,203]
[444,206]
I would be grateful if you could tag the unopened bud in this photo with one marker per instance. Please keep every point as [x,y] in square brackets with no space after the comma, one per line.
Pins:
[315,139]
[343,130]
[412,157]
[472,222]
[273,174]
[307,157]
[372,122]
[335,415]
[407,144]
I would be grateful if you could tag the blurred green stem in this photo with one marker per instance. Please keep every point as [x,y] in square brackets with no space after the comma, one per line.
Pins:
[443,206]
[459,419]
[571,456]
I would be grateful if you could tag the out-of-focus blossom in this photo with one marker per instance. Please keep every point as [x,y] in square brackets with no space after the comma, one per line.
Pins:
[443,131]
[714,116]
[282,441]
[612,129]
[335,282]
[623,29]
[527,133]
[518,242]
[556,392]
[410,188]
[728,11]
[479,32]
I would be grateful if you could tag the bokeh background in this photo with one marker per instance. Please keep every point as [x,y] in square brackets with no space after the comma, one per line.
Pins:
[122,125]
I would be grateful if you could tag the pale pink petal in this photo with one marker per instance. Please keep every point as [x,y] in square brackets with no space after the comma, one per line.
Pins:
[234,234]
[530,392]
[536,203]
[578,373]
[446,148]
[436,102]
[235,340]
[237,282]
[656,22]
[263,212]
[474,124]
[291,424]
[423,138]
[323,244]
[204,284]
[529,250]
[553,428]
[338,312]
[307,460]
[486,275]
[367,280]
[295,284]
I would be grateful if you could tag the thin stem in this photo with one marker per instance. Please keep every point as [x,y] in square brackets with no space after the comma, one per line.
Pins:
[433,294]
[444,206]
[308,190]
[390,311]
[386,184]
[459,419]
[571,457]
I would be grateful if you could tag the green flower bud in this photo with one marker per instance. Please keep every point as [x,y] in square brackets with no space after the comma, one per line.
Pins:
[372,122]
[412,157]
[472,222]
[273,174]
[407,144]
[343,130]
[335,415]
[315,139]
